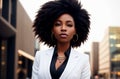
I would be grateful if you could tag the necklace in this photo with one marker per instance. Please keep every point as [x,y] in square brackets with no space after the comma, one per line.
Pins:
[61,58]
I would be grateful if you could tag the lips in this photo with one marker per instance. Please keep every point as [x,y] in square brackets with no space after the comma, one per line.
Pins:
[63,35]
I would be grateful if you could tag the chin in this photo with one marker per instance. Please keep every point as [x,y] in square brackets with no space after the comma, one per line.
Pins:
[64,41]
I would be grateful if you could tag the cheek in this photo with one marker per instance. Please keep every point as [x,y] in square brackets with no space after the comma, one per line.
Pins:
[55,33]
[72,33]
[54,30]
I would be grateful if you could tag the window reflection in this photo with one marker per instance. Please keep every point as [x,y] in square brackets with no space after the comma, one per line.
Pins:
[115,54]
[3,59]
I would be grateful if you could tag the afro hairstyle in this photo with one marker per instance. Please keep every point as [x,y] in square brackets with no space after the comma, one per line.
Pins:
[50,11]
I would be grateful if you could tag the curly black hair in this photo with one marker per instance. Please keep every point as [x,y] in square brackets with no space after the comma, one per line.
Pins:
[50,11]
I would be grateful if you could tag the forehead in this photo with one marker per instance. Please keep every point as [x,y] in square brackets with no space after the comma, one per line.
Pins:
[65,17]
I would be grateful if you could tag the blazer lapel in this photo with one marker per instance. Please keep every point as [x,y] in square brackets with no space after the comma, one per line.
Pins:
[47,62]
[70,64]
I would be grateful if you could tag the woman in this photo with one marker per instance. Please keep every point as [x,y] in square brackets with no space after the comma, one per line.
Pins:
[63,25]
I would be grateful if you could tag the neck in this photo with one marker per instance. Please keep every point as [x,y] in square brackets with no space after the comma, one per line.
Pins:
[62,48]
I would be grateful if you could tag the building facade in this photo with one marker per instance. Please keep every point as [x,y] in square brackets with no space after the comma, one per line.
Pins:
[94,54]
[16,41]
[109,55]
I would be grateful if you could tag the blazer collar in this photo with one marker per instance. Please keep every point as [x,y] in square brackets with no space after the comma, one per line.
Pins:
[72,61]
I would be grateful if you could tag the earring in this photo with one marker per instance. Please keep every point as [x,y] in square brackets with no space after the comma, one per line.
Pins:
[52,37]
[75,38]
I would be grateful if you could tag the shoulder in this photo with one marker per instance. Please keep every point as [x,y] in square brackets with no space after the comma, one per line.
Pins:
[43,52]
[81,55]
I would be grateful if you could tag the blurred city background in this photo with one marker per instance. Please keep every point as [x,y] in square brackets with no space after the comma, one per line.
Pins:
[18,44]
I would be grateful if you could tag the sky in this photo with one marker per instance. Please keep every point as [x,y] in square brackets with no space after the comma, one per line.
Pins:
[103,13]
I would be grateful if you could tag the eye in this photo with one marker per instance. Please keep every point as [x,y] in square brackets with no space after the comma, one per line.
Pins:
[57,23]
[69,24]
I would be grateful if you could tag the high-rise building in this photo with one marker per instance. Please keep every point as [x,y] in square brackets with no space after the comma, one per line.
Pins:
[0,7]
[94,58]
[109,54]
[16,41]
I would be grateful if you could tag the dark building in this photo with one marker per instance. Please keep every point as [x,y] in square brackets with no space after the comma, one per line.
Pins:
[16,41]
[94,54]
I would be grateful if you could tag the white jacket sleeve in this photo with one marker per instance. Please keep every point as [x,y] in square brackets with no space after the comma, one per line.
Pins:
[35,66]
[86,71]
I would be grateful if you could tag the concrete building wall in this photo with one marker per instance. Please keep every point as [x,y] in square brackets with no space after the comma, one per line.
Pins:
[16,41]
[24,39]
[94,58]
[24,36]
[0,7]
[104,56]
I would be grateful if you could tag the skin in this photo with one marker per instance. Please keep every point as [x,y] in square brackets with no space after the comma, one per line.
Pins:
[63,30]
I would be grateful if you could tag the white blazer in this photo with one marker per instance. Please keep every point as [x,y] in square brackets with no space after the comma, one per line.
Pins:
[77,67]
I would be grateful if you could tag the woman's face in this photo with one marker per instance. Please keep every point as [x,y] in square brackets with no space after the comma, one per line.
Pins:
[64,28]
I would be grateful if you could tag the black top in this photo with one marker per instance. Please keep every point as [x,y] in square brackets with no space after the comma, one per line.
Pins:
[55,74]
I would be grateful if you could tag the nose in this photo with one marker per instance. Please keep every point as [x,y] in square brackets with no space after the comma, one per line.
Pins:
[63,28]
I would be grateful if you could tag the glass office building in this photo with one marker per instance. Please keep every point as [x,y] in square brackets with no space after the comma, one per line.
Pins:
[115,52]
[109,54]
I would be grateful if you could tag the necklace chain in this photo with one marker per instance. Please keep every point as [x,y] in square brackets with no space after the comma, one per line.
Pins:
[61,58]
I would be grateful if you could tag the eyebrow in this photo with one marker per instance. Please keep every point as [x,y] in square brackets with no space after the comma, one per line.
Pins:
[66,21]
[70,21]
